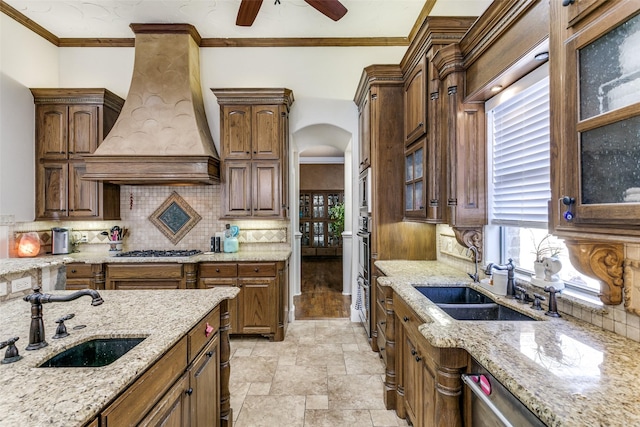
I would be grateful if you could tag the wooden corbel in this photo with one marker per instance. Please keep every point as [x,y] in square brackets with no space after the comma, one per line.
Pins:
[468,237]
[602,261]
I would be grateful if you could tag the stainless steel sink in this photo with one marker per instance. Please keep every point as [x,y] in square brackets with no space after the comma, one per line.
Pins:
[94,353]
[464,303]
[453,295]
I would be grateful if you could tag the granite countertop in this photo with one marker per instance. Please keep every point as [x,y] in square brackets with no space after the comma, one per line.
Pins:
[18,265]
[34,396]
[566,371]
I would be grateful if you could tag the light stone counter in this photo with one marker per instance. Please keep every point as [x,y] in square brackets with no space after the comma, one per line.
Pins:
[32,396]
[569,373]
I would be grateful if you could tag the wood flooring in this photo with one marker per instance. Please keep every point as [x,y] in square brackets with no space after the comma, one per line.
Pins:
[321,290]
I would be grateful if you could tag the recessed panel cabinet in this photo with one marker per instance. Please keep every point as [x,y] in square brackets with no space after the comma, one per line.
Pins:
[71,123]
[415,107]
[254,132]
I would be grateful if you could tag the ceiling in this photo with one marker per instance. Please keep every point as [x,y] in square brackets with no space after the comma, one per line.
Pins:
[216,18]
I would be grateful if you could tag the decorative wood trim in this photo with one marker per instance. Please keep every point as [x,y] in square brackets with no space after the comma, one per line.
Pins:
[468,237]
[448,60]
[631,296]
[253,96]
[77,96]
[424,13]
[378,75]
[305,42]
[602,261]
[28,23]
[96,42]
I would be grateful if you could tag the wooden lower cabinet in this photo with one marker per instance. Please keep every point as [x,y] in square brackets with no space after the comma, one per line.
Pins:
[187,387]
[386,338]
[261,307]
[150,276]
[429,389]
[84,276]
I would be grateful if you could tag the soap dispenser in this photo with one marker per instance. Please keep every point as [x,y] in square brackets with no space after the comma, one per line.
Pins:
[231,239]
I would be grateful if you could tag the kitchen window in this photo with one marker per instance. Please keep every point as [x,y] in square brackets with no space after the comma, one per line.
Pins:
[519,179]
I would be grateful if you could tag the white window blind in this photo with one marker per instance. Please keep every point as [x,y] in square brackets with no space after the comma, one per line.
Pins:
[521,183]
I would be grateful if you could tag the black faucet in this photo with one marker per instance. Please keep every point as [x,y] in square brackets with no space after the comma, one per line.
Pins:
[474,276]
[511,286]
[36,331]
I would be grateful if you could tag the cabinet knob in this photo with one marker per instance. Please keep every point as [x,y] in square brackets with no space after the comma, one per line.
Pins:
[209,353]
[405,318]
[383,322]
[73,271]
[217,270]
[381,348]
[188,391]
[418,358]
[413,352]
[567,2]
[257,269]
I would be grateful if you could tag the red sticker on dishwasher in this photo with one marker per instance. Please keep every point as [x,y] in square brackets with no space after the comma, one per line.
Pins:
[485,385]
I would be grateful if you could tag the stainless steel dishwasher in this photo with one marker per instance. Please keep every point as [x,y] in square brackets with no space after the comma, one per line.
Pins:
[492,405]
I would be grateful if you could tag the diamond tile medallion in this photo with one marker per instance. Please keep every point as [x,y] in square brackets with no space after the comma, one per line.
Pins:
[175,218]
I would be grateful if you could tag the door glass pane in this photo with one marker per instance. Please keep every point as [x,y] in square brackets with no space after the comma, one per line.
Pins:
[610,70]
[418,162]
[408,203]
[409,167]
[318,234]
[318,206]
[418,195]
[610,158]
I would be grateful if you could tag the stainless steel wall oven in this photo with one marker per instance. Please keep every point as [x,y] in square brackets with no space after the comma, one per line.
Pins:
[363,296]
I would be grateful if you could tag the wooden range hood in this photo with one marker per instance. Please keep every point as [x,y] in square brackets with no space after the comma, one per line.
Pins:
[161,136]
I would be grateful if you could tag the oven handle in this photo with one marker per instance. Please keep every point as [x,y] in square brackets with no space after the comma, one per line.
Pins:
[365,234]
[475,388]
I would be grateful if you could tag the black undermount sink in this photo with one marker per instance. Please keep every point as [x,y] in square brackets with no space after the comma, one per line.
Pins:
[92,354]
[463,303]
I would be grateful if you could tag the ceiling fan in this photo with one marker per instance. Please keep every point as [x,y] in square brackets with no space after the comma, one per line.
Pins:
[249,10]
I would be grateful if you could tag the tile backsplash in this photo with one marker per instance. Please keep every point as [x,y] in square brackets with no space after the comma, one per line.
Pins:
[138,203]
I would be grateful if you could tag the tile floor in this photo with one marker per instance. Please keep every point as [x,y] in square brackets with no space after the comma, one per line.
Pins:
[323,374]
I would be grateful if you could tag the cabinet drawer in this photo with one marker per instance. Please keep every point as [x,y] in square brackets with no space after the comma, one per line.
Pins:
[407,317]
[79,271]
[218,270]
[257,270]
[138,399]
[198,337]
[144,271]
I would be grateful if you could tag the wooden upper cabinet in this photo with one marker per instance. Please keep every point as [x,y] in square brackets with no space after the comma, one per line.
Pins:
[254,129]
[71,123]
[415,88]
[580,9]
[364,111]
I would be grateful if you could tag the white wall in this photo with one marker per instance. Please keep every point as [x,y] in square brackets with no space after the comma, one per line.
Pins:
[26,61]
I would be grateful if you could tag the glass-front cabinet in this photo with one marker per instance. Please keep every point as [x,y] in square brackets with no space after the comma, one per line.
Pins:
[602,136]
[320,235]
[414,180]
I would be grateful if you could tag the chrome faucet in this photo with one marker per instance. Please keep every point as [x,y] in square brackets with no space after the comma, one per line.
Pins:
[511,286]
[36,332]
[474,276]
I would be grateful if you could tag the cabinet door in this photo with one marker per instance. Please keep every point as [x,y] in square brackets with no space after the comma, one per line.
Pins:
[256,305]
[579,9]
[415,103]
[83,195]
[436,156]
[236,134]
[83,130]
[205,385]
[265,198]
[265,132]
[603,122]
[51,190]
[173,409]
[364,148]
[414,180]
[412,382]
[51,131]
[237,190]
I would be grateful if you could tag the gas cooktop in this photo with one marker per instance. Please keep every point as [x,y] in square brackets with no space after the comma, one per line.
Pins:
[155,253]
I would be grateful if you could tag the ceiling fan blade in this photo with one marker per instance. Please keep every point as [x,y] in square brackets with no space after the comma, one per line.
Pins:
[331,8]
[248,12]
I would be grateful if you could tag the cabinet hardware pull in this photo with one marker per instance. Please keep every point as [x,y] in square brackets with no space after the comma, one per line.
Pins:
[256,269]
[209,353]
[405,318]
[73,271]
[381,348]
[413,352]
[418,358]
[189,391]
[217,270]
[567,2]
[383,322]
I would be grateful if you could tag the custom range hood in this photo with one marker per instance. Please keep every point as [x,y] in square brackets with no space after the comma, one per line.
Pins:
[161,135]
